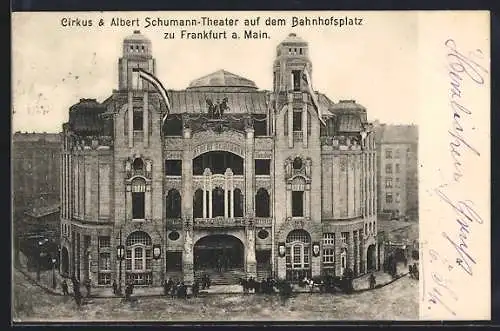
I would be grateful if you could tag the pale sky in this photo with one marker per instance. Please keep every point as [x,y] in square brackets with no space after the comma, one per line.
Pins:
[54,66]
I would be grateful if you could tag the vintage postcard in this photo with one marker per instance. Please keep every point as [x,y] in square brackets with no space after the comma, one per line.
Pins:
[250,166]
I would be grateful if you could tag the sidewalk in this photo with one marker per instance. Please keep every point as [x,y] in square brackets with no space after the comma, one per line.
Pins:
[360,284]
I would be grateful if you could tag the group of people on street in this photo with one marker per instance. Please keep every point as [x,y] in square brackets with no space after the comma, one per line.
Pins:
[77,294]
[413,271]
[264,286]
[178,289]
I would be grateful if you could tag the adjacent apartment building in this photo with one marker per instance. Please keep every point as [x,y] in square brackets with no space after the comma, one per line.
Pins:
[231,180]
[35,178]
[397,155]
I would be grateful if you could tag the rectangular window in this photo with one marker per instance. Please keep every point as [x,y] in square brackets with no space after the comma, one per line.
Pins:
[345,235]
[174,261]
[288,256]
[388,198]
[328,256]
[138,119]
[397,168]
[104,261]
[297,120]
[104,278]
[296,79]
[104,242]
[388,182]
[297,203]
[388,154]
[397,154]
[328,238]
[262,167]
[398,198]
[138,201]
[173,167]
[398,183]
[388,168]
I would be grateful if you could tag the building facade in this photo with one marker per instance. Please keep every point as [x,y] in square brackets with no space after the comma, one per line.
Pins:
[397,153]
[35,175]
[233,180]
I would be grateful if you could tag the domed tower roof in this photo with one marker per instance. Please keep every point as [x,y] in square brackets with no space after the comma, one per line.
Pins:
[136,45]
[294,39]
[224,80]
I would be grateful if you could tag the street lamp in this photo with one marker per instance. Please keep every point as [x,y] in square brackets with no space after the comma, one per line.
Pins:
[54,260]
[39,260]
[120,250]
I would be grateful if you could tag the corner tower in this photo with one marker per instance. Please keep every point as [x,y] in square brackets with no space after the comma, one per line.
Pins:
[137,53]
[297,161]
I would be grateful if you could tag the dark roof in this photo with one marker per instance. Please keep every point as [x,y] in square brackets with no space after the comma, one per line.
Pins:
[84,117]
[189,101]
[222,78]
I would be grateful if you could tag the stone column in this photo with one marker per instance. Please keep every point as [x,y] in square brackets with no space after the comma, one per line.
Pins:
[210,193]
[204,198]
[251,263]
[290,119]
[338,251]
[350,251]
[128,202]
[187,254]
[249,174]
[226,197]
[147,202]
[187,175]
[231,198]
[94,259]
[307,201]
[146,119]
[130,111]
[288,202]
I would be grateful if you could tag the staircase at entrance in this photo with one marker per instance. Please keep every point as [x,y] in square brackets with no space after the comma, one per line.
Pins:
[226,277]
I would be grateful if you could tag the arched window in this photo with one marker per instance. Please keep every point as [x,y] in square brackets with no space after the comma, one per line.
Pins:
[173,204]
[217,202]
[298,253]
[238,203]
[138,198]
[297,163]
[198,204]
[138,164]
[139,258]
[262,203]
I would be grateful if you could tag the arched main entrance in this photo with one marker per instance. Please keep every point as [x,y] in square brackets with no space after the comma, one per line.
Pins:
[298,255]
[64,261]
[219,253]
[371,258]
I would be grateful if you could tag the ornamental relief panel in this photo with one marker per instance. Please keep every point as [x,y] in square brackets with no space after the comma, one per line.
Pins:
[209,136]
[264,144]
[264,183]
[204,147]
[173,155]
[173,183]
[175,143]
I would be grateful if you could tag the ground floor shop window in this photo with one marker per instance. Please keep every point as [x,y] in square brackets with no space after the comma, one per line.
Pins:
[104,278]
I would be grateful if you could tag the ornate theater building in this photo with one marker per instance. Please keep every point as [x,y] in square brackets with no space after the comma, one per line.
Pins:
[232,181]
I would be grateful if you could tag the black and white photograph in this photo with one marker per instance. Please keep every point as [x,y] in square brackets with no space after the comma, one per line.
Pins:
[249,166]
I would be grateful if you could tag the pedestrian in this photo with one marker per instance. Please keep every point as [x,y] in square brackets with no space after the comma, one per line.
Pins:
[196,288]
[64,286]
[88,287]
[372,281]
[115,287]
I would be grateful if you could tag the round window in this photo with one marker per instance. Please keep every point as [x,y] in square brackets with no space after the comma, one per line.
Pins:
[174,235]
[263,234]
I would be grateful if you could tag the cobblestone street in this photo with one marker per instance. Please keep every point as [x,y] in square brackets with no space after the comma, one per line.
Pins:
[397,301]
